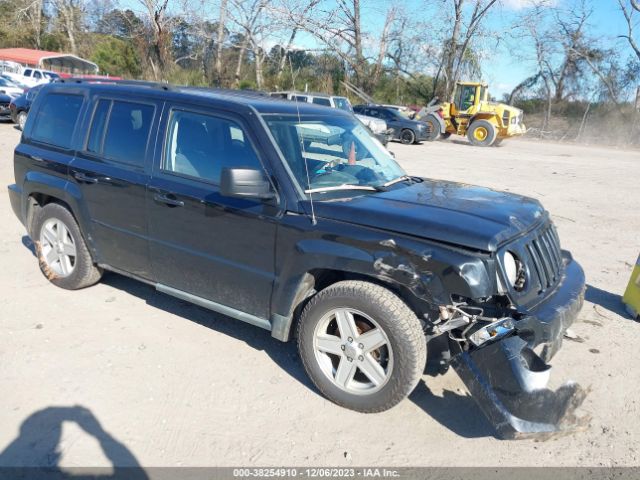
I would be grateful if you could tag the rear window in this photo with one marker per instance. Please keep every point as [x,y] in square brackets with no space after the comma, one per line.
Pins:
[120,130]
[56,119]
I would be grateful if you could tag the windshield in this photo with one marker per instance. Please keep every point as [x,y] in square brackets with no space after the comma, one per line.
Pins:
[336,152]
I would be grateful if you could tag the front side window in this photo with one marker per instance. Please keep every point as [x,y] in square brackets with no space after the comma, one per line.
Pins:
[200,146]
[56,119]
[467,97]
[336,152]
[37,74]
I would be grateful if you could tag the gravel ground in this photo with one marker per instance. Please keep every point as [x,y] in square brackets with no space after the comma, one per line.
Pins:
[120,374]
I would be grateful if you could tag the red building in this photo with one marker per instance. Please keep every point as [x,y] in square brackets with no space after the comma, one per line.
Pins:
[63,63]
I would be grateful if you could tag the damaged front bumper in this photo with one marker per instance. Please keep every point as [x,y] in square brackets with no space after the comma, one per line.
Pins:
[508,379]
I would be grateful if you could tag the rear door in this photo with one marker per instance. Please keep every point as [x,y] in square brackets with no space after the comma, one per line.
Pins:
[111,170]
[218,248]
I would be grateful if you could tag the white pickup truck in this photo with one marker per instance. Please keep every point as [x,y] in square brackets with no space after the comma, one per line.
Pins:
[33,76]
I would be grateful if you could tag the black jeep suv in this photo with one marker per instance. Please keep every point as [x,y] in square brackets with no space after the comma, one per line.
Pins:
[290,217]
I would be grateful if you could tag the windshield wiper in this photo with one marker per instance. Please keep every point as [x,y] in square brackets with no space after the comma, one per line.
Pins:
[399,179]
[345,186]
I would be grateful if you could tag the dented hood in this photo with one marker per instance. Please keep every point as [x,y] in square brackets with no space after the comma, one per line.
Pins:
[455,213]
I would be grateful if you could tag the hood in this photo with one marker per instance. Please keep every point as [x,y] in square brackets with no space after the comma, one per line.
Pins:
[454,213]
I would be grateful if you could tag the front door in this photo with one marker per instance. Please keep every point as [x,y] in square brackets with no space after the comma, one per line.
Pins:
[202,243]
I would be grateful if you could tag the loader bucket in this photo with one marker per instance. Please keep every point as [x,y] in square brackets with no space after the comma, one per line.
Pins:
[509,383]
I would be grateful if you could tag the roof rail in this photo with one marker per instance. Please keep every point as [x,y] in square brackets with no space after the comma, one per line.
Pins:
[107,80]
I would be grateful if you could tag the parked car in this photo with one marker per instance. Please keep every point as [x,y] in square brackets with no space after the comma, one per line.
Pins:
[9,88]
[323,99]
[406,130]
[210,198]
[34,76]
[17,83]
[378,127]
[5,101]
[20,106]
[405,111]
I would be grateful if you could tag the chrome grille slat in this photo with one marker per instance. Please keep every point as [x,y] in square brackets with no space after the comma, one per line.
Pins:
[544,262]
[536,266]
[553,263]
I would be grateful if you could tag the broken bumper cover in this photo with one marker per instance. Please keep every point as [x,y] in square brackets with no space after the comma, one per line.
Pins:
[508,379]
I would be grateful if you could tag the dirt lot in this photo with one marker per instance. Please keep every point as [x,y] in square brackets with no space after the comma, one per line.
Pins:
[172,384]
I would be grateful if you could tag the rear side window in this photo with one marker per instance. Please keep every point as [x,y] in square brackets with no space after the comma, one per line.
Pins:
[27,72]
[120,131]
[322,101]
[200,146]
[57,119]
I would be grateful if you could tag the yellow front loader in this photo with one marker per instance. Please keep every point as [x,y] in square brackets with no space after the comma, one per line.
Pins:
[471,114]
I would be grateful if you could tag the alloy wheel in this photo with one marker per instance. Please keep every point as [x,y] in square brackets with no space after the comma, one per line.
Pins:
[353,351]
[58,248]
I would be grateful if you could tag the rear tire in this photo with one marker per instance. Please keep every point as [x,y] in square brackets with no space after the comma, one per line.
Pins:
[62,253]
[481,133]
[407,136]
[362,346]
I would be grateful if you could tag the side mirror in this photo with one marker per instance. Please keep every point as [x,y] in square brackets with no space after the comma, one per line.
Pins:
[245,183]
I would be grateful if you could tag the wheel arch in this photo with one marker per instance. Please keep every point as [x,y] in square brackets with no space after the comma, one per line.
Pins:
[41,189]
[315,280]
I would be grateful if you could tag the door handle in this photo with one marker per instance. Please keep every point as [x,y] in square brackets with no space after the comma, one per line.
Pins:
[168,199]
[82,177]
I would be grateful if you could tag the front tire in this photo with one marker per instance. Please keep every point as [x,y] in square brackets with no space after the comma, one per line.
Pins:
[433,128]
[481,133]
[362,346]
[62,253]
[407,136]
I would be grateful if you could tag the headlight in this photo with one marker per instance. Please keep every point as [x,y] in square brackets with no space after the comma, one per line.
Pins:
[510,267]
[514,270]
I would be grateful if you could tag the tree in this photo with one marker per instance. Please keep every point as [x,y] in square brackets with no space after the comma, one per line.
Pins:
[220,40]
[116,57]
[70,14]
[338,26]
[455,52]
[160,22]
[628,13]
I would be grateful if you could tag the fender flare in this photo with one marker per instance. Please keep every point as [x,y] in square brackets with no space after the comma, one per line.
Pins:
[61,189]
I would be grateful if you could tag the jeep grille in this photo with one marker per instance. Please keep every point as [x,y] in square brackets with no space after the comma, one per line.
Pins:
[546,257]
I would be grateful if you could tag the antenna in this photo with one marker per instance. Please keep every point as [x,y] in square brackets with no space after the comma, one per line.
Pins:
[304,153]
